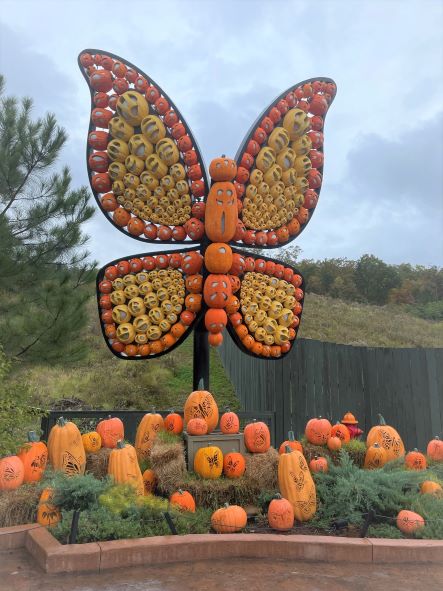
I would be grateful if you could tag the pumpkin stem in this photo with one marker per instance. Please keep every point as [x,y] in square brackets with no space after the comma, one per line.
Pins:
[381,420]
[32,436]
[61,421]
[120,444]
[277,496]
[288,450]
[291,436]
[180,491]
[316,457]
[226,505]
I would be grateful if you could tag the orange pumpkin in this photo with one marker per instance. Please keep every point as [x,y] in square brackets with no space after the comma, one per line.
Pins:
[200,404]
[435,449]
[375,457]
[217,290]
[123,467]
[147,431]
[65,448]
[218,257]
[257,437]
[414,460]
[34,456]
[149,481]
[229,519]
[47,513]
[184,500]
[221,214]
[223,169]
[409,522]
[341,431]
[173,423]
[111,430]
[234,465]
[318,464]
[428,487]
[12,473]
[92,442]
[215,320]
[229,422]
[318,431]
[334,443]
[388,438]
[280,514]
[197,427]
[292,443]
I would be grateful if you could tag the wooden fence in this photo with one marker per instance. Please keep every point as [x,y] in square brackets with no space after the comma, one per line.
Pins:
[317,378]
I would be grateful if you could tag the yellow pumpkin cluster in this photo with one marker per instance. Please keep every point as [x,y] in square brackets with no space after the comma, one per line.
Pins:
[278,179]
[147,304]
[266,304]
[148,176]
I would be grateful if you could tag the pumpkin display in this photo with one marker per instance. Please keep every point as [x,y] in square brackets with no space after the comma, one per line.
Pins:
[197,427]
[65,448]
[229,519]
[334,443]
[229,422]
[296,484]
[257,437]
[375,457]
[34,455]
[208,462]
[47,513]
[147,431]
[92,442]
[318,431]
[173,423]
[409,522]
[111,430]
[388,438]
[184,500]
[414,460]
[318,464]
[200,404]
[341,431]
[123,467]
[428,487]
[149,481]
[291,442]
[435,449]
[280,514]
[234,465]
[12,473]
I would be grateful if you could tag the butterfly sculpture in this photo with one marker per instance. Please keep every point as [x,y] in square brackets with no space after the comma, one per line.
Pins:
[148,177]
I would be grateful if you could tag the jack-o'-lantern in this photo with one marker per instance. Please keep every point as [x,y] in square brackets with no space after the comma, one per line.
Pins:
[153,128]
[120,129]
[222,169]
[218,258]
[215,320]
[217,290]
[221,212]
[133,107]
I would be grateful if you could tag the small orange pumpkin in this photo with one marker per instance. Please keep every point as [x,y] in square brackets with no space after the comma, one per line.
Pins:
[234,465]
[280,514]
[34,456]
[257,437]
[334,443]
[215,320]
[173,423]
[414,460]
[111,430]
[197,427]
[92,442]
[292,443]
[222,169]
[428,487]
[149,481]
[12,473]
[47,513]
[229,422]
[341,431]
[184,500]
[318,431]
[375,457]
[435,449]
[229,519]
[217,290]
[318,464]
[409,522]
[218,257]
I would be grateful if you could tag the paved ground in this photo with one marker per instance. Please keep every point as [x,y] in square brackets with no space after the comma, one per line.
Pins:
[18,572]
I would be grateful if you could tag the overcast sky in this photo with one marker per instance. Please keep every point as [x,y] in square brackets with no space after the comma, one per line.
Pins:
[223,62]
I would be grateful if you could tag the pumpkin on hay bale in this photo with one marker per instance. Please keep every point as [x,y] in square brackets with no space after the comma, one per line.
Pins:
[168,462]
[19,506]
[210,494]
[261,470]
[97,463]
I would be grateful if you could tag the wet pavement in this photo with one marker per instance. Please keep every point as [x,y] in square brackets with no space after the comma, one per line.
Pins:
[19,572]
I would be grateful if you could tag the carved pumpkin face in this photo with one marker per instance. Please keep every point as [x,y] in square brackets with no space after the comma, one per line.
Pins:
[221,213]
[217,290]
[234,465]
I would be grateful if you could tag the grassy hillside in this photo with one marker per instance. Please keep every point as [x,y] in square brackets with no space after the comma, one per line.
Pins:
[103,381]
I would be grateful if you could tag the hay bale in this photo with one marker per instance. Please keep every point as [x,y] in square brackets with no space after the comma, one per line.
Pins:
[212,494]
[168,462]
[97,463]
[356,453]
[19,506]
[261,470]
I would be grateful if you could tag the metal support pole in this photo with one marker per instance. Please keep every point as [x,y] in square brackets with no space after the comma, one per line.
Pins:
[201,357]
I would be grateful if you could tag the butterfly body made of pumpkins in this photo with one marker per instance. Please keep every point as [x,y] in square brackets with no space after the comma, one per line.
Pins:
[149,179]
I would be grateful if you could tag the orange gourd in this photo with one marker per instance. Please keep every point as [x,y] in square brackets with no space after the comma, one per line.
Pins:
[257,437]
[334,443]
[12,473]
[229,422]
[414,460]
[291,442]
[200,404]
[184,500]
[221,214]
[150,425]
[197,427]
[47,513]
[173,423]
[341,431]
[110,430]
[229,519]
[218,258]
[409,522]
[280,514]
[318,431]
[123,467]
[388,438]
[234,465]
[149,481]
[435,449]
[428,487]
[34,456]
[296,484]
[92,442]
[375,457]
[65,448]
[318,464]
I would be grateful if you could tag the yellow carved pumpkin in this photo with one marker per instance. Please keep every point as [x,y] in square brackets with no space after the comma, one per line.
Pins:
[65,448]
[92,442]
[208,462]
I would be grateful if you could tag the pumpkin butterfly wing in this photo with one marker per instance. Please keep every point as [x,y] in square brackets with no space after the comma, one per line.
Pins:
[148,304]
[145,168]
[265,310]
[280,166]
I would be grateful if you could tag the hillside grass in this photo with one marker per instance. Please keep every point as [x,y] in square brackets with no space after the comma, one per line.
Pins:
[103,381]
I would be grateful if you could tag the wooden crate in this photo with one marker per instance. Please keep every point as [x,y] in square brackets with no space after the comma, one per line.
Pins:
[226,443]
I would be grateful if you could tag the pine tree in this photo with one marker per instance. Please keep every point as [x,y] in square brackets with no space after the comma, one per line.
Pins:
[44,267]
